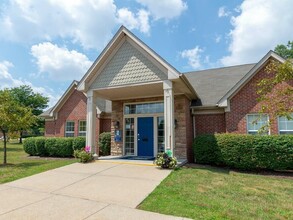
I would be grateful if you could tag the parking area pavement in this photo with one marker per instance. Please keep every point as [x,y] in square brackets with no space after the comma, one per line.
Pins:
[98,190]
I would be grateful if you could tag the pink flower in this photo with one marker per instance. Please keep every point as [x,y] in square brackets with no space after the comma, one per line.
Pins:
[87,148]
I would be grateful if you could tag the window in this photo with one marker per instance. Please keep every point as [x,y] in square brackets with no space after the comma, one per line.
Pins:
[255,122]
[285,124]
[129,136]
[69,129]
[161,134]
[82,128]
[144,108]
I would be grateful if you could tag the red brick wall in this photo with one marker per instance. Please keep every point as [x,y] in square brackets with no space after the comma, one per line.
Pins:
[50,128]
[74,109]
[245,102]
[209,123]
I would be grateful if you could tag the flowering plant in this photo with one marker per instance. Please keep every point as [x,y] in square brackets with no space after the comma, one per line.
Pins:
[165,161]
[84,155]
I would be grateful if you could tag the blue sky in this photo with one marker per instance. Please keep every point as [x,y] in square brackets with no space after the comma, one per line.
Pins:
[47,44]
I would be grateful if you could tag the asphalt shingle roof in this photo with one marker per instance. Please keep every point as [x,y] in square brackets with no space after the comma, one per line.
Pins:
[212,84]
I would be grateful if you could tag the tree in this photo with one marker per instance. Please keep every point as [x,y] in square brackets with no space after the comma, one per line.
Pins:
[25,96]
[13,117]
[285,51]
[276,90]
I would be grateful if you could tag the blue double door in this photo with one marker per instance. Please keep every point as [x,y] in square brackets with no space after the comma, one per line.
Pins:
[145,136]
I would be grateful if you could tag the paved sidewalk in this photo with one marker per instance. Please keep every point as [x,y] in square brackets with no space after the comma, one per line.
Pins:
[99,190]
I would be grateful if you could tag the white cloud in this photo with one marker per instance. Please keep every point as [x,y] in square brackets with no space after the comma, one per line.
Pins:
[138,21]
[223,12]
[164,9]
[218,38]
[8,81]
[260,26]
[60,64]
[193,56]
[86,22]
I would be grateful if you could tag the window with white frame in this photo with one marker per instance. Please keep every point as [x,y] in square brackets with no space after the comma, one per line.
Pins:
[69,129]
[82,128]
[257,123]
[285,124]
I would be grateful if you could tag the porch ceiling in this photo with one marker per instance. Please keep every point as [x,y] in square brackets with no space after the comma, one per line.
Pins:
[138,91]
[131,91]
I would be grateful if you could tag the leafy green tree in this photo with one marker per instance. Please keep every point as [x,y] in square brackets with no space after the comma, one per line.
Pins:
[276,90]
[13,117]
[25,96]
[285,51]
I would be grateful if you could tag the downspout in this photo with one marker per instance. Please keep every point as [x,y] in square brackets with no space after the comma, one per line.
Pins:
[193,123]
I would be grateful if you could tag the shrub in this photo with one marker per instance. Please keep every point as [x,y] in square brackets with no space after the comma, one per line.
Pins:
[84,155]
[105,143]
[40,146]
[64,147]
[78,143]
[247,152]
[29,146]
[53,147]
[164,161]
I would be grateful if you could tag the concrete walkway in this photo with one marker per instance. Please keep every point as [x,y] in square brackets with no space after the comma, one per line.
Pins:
[98,190]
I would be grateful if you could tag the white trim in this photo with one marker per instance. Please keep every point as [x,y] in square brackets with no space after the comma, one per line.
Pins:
[256,114]
[69,132]
[225,100]
[81,132]
[63,98]
[279,131]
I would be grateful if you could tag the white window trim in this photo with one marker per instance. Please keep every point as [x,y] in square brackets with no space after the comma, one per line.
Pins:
[279,131]
[69,132]
[257,114]
[79,131]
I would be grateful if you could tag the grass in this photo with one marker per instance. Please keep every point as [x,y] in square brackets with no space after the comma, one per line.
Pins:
[214,193]
[20,165]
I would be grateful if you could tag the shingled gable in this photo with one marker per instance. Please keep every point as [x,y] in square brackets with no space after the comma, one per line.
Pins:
[127,61]
[225,100]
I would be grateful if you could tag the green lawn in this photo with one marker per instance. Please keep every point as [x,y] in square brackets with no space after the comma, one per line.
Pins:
[19,165]
[214,193]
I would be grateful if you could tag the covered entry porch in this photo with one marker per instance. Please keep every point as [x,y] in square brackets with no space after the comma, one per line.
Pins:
[143,89]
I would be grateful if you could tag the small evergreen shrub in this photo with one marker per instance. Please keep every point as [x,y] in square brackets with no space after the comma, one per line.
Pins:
[78,143]
[40,146]
[105,143]
[64,147]
[29,146]
[164,161]
[246,152]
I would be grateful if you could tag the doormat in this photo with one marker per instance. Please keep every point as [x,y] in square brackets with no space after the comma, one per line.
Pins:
[137,158]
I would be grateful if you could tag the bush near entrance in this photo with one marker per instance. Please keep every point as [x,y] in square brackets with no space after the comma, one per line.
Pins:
[105,143]
[246,152]
[54,147]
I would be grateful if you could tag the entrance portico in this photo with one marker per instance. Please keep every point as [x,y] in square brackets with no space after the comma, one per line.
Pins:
[142,88]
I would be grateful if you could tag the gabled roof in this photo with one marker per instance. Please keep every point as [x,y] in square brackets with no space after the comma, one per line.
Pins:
[212,84]
[114,45]
[51,111]
[224,101]
[102,105]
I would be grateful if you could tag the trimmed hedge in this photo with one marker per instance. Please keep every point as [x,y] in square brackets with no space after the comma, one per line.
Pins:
[53,147]
[105,143]
[246,152]
[78,143]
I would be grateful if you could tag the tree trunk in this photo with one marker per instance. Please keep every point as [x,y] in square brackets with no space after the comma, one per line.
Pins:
[5,154]
[20,138]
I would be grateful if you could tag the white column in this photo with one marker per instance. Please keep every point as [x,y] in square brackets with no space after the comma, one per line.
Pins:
[169,116]
[91,122]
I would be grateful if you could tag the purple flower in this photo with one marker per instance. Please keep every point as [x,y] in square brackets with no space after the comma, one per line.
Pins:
[87,148]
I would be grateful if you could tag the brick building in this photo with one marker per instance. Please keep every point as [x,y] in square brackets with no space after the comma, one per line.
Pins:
[155,108]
